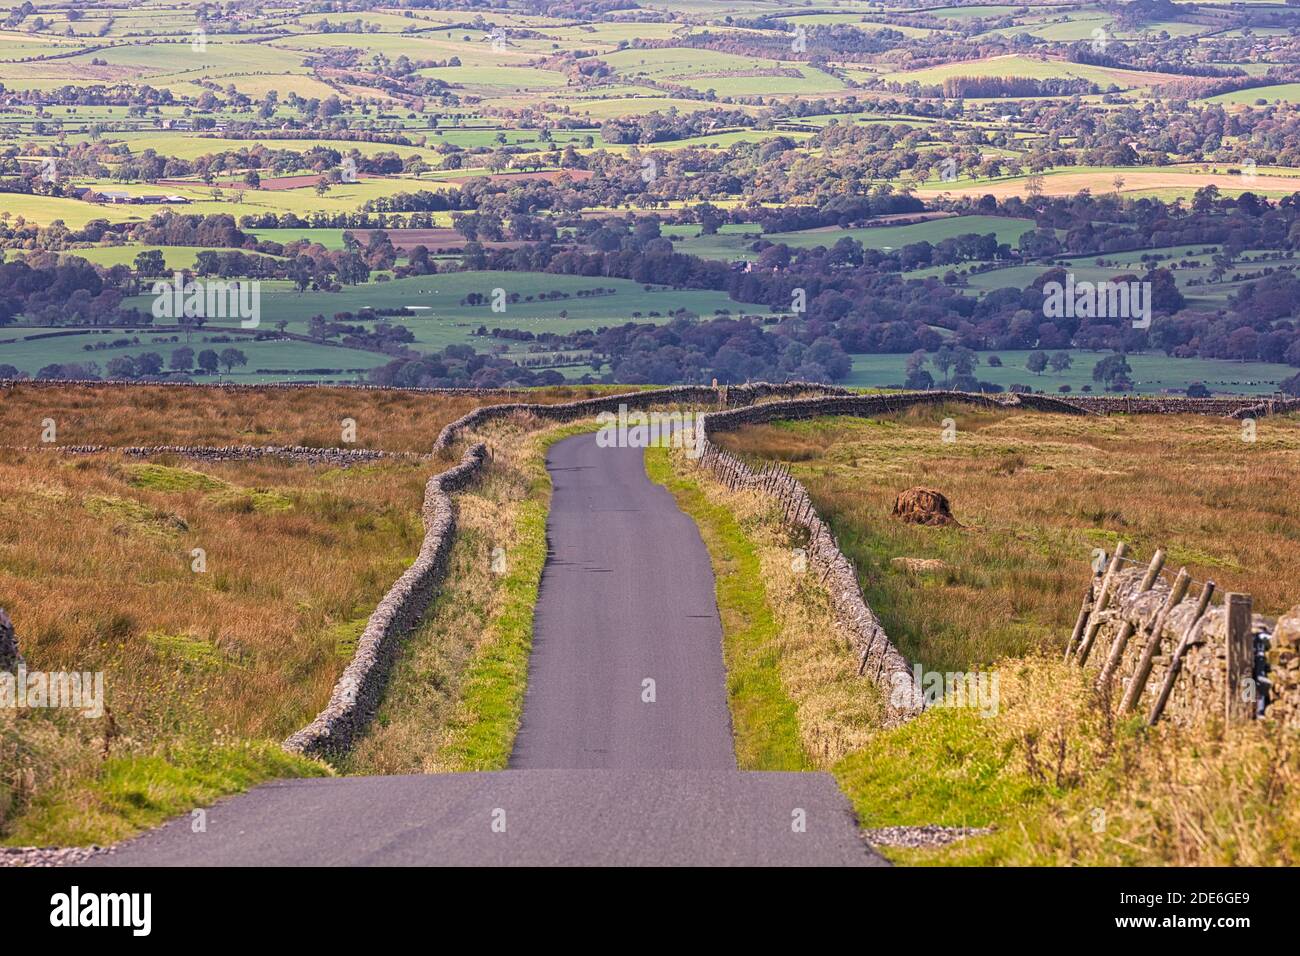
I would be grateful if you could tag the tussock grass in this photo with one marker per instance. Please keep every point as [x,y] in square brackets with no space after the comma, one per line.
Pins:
[162,415]
[1059,780]
[204,672]
[796,700]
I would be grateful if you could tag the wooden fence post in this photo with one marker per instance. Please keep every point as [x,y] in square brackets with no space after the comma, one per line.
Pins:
[1180,651]
[1081,622]
[1103,598]
[1143,671]
[1240,703]
[1126,629]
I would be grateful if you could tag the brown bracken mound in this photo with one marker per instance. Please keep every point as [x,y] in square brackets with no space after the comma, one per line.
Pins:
[924,506]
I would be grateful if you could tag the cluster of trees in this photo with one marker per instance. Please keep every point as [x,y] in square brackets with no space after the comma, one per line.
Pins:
[380,337]
[955,87]
[860,299]
[459,366]
[147,366]
[660,126]
[730,350]
[69,292]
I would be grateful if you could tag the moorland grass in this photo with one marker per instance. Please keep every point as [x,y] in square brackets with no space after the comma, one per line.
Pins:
[1035,494]
[1058,780]
[210,597]
[164,415]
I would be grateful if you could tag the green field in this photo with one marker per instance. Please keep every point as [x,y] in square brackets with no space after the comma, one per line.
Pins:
[1279,93]
[498,88]
[733,242]
[1026,66]
[1192,268]
[176,257]
[1153,373]
[724,73]
[285,359]
[441,320]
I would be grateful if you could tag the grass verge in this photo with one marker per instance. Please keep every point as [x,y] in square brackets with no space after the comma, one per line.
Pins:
[456,696]
[796,701]
[1061,784]
[128,794]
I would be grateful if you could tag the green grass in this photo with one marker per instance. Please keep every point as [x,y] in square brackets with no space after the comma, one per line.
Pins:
[733,242]
[1153,373]
[727,74]
[1279,93]
[491,699]
[292,360]
[168,478]
[439,318]
[942,768]
[895,237]
[176,257]
[764,718]
[132,793]
[331,239]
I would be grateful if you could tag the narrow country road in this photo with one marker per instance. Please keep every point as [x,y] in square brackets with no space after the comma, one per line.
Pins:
[626,610]
[624,755]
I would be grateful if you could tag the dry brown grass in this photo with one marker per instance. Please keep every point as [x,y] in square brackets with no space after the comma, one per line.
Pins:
[163,415]
[1036,493]
[96,571]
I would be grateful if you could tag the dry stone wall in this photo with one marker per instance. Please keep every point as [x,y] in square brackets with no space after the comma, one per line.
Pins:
[1283,657]
[10,658]
[878,659]
[1141,405]
[339,457]
[357,693]
[862,406]
[1201,689]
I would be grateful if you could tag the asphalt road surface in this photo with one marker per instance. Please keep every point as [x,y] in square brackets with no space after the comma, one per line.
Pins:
[625,612]
[624,755]
[518,817]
